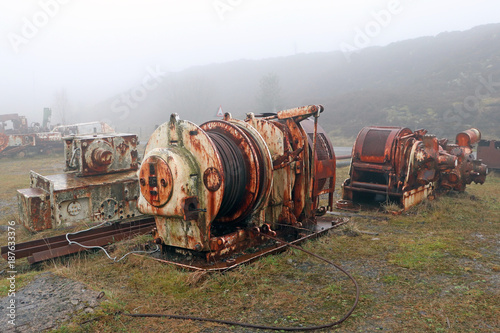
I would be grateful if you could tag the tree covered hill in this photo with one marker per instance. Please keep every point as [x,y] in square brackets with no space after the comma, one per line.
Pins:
[445,84]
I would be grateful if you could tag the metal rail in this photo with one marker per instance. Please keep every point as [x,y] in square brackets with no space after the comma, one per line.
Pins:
[57,246]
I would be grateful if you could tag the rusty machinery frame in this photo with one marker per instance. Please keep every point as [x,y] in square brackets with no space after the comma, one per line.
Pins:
[489,152]
[399,164]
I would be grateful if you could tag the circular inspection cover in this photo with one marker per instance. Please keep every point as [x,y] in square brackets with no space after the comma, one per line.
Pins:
[74,208]
[155,179]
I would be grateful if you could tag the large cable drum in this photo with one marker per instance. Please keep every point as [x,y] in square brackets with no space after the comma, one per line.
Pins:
[244,162]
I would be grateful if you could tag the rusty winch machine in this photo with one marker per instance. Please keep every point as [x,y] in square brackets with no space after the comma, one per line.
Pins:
[214,188]
[395,163]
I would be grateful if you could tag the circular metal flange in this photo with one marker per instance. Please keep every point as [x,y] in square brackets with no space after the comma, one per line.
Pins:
[189,152]
[74,208]
[156,181]
[212,179]
[257,133]
[252,165]
[98,156]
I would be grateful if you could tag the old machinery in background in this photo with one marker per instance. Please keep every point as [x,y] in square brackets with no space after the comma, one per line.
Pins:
[489,152]
[17,137]
[212,188]
[100,184]
[397,164]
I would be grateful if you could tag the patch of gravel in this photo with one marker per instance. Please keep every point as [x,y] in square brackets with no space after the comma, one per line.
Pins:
[47,302]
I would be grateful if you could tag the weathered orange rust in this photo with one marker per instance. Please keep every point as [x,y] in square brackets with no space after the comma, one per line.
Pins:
[395,163]
[468,138]
[236,177]
[468,169]
[156,180]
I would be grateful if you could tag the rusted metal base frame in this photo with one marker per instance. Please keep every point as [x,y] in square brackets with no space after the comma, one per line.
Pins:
[322,228]
[415,196]
[234,242]
[408,198]
[57,246]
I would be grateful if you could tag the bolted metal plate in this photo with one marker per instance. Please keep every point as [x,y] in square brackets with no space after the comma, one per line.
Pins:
[212,179]
[156,181]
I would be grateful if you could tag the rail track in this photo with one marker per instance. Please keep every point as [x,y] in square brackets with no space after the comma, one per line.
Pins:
[57,246]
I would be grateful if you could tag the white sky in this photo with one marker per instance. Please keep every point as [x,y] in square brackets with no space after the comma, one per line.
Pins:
[97,48]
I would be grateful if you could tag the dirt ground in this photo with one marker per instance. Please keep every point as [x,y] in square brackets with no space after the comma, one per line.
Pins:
[46,302]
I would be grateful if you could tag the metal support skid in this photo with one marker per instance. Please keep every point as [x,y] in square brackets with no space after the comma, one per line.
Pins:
[213,187]
[398,164]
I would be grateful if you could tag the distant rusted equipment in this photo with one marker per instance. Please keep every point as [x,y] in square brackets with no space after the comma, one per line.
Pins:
[100,184]
[18,138]
[397,164]
[489,152]
[213,188]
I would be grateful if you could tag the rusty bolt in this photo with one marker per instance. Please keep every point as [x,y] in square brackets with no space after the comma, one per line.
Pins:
[256,230]
[163,182]
[143,182]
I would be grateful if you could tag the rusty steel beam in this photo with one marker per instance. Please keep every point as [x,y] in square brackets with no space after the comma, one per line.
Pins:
[56,246]
[99,241]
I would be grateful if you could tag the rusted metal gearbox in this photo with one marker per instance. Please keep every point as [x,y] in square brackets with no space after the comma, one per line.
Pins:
[404,166]
[100,184]
[213,188]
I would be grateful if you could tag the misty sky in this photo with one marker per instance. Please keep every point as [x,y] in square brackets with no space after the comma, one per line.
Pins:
[97,49]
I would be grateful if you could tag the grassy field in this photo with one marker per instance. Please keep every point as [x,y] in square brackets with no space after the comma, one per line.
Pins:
[435,268]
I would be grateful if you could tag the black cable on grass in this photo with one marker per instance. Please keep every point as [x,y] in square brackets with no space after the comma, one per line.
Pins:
[235,323]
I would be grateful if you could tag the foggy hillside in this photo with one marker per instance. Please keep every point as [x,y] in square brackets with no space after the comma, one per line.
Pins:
[419,83]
